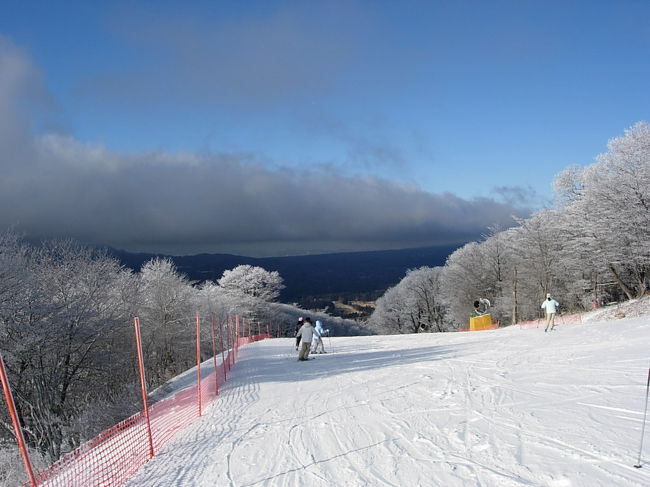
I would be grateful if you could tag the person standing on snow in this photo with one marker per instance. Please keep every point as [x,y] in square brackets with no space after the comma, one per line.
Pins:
[298,325]
[306,332]
[318,340]
[550,305]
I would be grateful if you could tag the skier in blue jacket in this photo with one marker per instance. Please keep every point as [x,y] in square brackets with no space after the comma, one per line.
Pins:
[318,341]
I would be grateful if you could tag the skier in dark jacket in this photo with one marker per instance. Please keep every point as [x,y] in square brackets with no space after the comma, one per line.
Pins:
[298,325]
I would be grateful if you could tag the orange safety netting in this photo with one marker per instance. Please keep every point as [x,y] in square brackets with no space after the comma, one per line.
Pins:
[116,454]
[559,320]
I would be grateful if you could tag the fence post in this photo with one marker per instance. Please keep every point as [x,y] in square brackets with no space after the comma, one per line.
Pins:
[198,362]
[214,355]
[143,386]
[223,360]
[231,351]
[231,342]
[237,336]
[11,406]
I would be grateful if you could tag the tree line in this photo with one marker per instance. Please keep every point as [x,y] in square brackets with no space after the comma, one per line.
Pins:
[590,247]
[67,337]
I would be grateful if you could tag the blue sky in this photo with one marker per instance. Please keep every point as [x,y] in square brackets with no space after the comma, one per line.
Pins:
[472,99]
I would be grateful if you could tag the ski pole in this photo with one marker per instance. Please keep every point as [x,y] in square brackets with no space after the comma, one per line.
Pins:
[645,414]
[329,339]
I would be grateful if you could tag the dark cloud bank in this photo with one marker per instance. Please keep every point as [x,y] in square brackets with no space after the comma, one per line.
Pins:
[183,203]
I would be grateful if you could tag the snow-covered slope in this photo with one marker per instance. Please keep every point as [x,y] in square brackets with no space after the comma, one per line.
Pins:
[508,407]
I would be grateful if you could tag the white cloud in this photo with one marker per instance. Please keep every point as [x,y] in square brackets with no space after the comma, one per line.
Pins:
[54,185]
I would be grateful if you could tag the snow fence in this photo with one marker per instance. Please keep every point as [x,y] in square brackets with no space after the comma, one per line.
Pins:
[116,454]
[560,319]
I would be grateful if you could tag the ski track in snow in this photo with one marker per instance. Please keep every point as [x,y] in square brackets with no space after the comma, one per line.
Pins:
[503,408]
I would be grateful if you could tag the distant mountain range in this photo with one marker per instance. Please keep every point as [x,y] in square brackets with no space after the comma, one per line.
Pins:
[308,276]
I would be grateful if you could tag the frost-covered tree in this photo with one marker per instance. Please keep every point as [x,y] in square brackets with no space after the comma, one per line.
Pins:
[499,270]
[166,319]
[390,314]
[59,332]
[251,281]
[249,289]
[423,288]
[596,235]
[538,243]
[619,186]
[14,280]
[212,305]
[414,305]
[536,246]
[210,299]
[470,273]
[608,207]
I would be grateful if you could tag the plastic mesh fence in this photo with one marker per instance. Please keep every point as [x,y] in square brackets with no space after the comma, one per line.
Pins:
[116,454]
[559,321]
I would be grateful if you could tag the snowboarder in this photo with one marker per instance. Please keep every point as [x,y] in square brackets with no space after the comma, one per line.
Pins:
[306,332]
[298,325]
[318,340]
[550,305]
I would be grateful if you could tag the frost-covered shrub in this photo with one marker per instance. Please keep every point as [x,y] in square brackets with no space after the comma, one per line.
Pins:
[12,470]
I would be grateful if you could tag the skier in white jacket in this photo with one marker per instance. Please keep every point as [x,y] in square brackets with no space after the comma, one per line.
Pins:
[318,340]
[550,305]
[306,333]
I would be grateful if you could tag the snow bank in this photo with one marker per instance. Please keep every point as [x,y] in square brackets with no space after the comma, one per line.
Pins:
[629,309]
